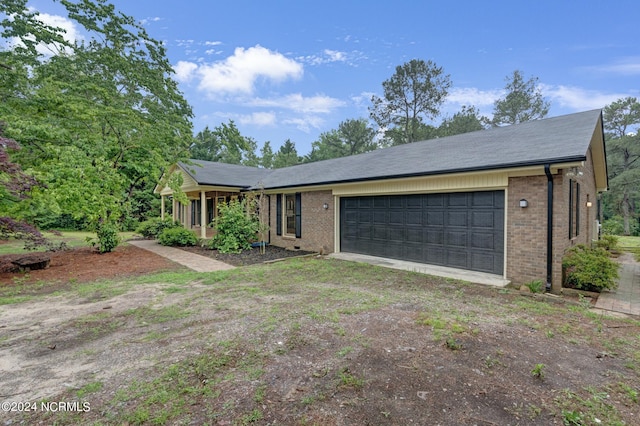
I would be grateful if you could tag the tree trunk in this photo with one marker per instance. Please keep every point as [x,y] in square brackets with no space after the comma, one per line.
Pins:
[625,212]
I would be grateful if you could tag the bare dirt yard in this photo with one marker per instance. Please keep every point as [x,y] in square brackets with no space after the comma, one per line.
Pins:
[130,338]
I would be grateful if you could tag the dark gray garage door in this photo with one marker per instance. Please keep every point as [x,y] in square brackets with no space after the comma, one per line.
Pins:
[460,230]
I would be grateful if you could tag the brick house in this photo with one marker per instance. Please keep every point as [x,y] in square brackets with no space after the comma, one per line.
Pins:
[507,201]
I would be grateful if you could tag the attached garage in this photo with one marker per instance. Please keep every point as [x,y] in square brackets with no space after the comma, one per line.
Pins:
[459,230]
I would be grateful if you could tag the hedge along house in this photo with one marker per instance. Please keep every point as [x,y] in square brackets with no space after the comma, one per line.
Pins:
[506,201]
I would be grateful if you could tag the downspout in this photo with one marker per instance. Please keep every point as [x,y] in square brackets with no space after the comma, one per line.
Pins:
[547,171]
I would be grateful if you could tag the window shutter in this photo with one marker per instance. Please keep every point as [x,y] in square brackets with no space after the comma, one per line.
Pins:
[279,214]
[298,215]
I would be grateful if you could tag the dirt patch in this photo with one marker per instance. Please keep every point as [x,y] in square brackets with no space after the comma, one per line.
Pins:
[314,341]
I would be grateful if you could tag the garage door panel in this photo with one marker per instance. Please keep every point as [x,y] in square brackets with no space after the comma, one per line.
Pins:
[396,234]
[483,219]
[457,259]
[414,252]
[394,251]
[381,202]
[483,199]
[433,218]
[380,217]
[435,256]
[462,230]
[457,218]
[435,200]
[435,236]
[413,217]
[483,241]
[457,200]
[380,233]
[456,239]
[396,202]
[482,262]
[414,234]
[396,217]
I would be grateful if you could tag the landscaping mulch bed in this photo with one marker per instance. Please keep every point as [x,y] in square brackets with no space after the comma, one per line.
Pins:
[248,257]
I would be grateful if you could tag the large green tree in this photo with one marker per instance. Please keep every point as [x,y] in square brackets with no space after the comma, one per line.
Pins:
[351,137]
[621,122]
[468,119]
[286,156]
[223,144]
[522,102]
[96,119]
[412,97]
[266,155]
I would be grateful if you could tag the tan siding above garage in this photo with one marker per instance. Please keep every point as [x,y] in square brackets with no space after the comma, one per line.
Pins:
[449,183]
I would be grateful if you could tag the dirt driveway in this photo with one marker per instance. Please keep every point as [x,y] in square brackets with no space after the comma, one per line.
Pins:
[306,341]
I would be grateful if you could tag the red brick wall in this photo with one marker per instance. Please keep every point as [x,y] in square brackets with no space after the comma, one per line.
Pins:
[317,224]
[527,228]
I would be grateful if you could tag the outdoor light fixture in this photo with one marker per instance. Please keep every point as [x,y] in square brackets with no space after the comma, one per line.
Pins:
[574,172]
[325,206]
[524,203]
[589,204]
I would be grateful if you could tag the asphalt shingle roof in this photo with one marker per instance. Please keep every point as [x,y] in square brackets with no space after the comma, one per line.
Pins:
[552,140]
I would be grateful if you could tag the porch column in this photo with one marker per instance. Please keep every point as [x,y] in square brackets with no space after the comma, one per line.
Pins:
[174,210]
[162,207]
[203,215]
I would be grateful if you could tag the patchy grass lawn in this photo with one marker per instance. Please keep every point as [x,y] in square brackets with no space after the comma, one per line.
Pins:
[630,244]
[314,341]
[70,238]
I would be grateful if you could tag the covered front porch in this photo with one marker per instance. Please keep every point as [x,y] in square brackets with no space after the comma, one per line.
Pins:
[200,211]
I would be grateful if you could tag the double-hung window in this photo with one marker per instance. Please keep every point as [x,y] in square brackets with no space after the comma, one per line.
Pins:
[288,215]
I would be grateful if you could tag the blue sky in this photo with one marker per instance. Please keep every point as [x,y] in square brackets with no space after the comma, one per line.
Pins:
[294,69]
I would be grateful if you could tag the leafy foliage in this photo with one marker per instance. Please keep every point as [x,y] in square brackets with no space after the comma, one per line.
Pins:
[236,226]
[468,119]
[523,102]
[622,122]
[351,137]
[108,238]
[608,242]
[177,236]
[95,139]
[589,269]
[286,156]
[413,94]
[223,144]
[153,227]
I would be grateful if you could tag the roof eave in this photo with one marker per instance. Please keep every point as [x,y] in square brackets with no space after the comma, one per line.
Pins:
[554,161]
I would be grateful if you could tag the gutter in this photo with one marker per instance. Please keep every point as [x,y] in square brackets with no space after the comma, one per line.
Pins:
[547,171]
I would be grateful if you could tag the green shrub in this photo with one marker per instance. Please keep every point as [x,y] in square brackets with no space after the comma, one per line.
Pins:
[177,237]
[608,242]
[152,228]
[235,227]
[536,286]
[107,238]
[589,269]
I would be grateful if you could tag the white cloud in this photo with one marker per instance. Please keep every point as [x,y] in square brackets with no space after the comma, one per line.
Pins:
[297,102]
[329,56]
[627,66]
[149,20]
[185,71]
[579,99]
[473,96]
[305,123]
[240,72]
[258,119]
[212,43]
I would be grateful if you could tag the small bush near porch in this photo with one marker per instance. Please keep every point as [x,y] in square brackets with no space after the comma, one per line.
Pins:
[236,226]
